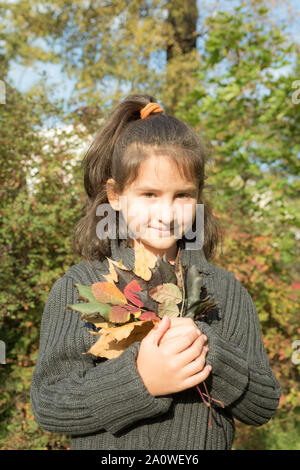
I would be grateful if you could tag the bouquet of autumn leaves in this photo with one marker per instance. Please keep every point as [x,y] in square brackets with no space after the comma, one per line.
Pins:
[125,307]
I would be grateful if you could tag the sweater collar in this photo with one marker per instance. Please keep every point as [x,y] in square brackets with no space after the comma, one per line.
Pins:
[120,250]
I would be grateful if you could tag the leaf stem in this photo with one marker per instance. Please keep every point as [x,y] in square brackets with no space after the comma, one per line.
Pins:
[183,290]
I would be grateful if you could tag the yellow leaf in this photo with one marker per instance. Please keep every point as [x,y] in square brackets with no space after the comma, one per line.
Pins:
[144,260]
[114,340]
[119,264]
[113,275]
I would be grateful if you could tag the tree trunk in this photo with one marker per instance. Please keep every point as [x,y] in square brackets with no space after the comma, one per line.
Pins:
[182,16]
[182,55]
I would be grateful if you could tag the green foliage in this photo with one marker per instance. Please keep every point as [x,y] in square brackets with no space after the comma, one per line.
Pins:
[280,433]
[18,428]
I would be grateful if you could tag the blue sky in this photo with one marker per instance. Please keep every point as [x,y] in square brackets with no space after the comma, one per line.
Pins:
[24,78]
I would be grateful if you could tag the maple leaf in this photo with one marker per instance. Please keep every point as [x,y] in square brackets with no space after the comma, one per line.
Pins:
[144,261]
[112,276]
[114,340]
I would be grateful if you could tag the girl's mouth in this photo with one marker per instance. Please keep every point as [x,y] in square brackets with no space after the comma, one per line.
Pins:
[163,231]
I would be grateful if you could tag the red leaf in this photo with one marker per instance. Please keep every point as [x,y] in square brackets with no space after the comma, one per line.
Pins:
[148,316]
[130,291]
[131,308]
[119,314]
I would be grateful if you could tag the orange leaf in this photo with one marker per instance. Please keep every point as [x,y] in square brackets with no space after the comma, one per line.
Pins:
[108,293]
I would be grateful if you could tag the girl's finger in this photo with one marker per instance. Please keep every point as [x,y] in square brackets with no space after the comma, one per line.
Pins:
[179,344]
[193,352]
[198,378]
[197,365]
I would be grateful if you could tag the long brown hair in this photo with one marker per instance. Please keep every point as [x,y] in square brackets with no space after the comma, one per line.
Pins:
[119,147]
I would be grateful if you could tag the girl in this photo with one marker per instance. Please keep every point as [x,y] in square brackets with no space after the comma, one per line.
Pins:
[148,167]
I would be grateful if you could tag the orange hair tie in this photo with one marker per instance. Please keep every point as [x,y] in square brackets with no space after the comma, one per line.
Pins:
[150,108]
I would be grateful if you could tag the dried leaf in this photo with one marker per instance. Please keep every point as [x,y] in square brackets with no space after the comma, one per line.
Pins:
[112,276]
[113,341]
[144,260]
[119,264]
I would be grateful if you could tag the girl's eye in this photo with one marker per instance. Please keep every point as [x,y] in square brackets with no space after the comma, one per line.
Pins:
[179,195]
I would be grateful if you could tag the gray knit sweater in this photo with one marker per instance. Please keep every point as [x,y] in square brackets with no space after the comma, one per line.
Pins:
[103,404]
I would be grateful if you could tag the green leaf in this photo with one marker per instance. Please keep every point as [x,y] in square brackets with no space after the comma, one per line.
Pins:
[194,282]
[85,292]
[91,307]
[166,292]
[168,308]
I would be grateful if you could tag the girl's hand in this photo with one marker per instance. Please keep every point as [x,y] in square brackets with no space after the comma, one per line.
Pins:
[180,326]
[175,365]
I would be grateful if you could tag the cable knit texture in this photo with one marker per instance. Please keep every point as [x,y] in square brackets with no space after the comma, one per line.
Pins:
[103,404]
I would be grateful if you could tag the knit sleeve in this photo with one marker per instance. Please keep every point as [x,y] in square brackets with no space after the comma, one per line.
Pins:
[70,393]
[241,376]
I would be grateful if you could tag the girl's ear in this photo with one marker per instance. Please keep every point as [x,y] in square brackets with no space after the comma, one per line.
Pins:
[112,194]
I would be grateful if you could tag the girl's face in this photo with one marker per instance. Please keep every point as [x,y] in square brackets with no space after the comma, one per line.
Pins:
[159,206]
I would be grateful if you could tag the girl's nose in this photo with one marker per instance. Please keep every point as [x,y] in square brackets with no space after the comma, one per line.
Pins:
[165,213]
